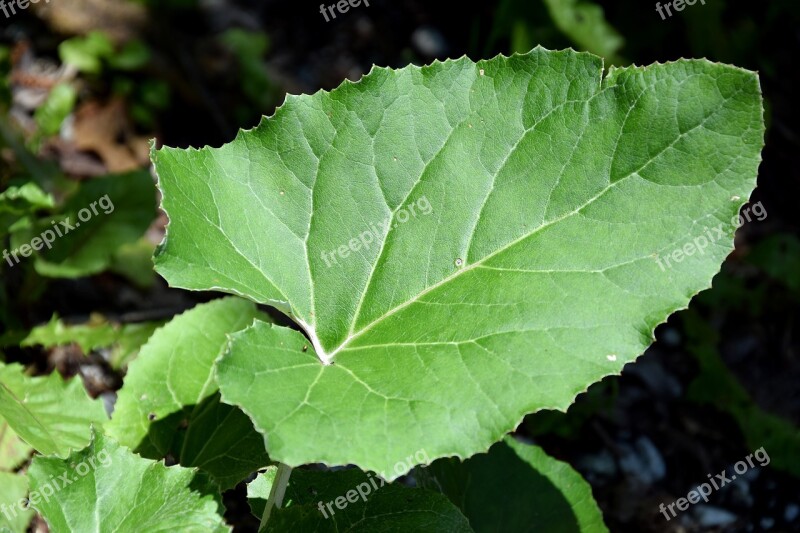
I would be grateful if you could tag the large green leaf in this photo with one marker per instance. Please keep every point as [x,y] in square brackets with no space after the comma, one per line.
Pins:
[169,402]
[544,195]
[517,487]
[350,500]
[112,489]
[52,415]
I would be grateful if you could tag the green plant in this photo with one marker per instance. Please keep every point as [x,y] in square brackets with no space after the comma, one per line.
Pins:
[95,54]
[457,246]
[53,227]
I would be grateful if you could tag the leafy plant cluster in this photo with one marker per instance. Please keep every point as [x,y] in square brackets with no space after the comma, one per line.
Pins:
[553,185]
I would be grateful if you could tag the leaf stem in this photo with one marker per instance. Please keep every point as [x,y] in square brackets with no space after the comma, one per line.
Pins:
[276,493]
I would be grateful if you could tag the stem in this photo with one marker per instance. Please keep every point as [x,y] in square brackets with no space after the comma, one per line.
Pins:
[276,493]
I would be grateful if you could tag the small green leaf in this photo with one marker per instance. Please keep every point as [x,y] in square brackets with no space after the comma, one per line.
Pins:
[105,214]
[96,334]
[52,415]
[132,56]
[124,340]
[112,489]
[56,108]
[86,53]
[17,202]
[14,513]
[24,199]
[584,23]
[13,450]
[517,487]
[169,402]
[249,48]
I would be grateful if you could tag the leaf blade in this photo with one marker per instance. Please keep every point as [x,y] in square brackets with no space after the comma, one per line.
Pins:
[552,190]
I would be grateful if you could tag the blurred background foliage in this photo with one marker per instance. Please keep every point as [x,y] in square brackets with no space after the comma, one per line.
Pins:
[86,84]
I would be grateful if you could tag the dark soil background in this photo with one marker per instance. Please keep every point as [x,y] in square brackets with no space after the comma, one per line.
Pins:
[720,382]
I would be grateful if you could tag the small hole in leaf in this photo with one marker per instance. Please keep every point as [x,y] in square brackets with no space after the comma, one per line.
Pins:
[459,262]
[151,416]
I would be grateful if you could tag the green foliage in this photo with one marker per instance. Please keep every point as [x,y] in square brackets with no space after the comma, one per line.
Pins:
[89,337]
[119,210]
[779,257]
[583,22]
[123,339]
[384,507]
[715,385]
[13,490]
[113,489]
[95,54]
[50,414]
[249,49]
[552,192]
[18,201]
[23,199]
[135,262]
[457,246]
[87,53]
[169,405]
[59,104]
[516,487]
[556,23]
[133,55]
[13,450]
